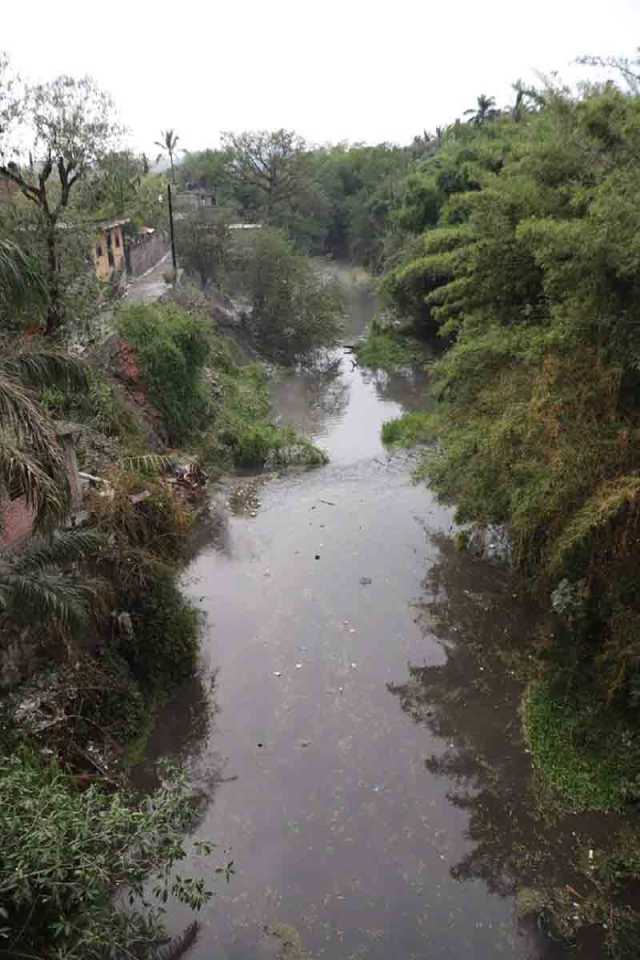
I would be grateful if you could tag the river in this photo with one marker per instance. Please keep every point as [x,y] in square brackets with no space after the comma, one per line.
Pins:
[366,769]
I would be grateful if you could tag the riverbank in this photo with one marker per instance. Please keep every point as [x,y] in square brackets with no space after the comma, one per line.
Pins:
[161,396]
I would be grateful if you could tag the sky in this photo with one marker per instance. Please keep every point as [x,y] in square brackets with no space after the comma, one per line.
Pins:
[340,70]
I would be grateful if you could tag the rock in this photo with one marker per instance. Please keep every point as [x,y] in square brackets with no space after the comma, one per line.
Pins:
[490,542]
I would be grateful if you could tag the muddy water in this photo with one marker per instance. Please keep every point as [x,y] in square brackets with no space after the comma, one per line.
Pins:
[377,793]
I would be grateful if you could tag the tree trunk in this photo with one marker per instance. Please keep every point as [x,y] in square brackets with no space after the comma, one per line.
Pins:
[55,310]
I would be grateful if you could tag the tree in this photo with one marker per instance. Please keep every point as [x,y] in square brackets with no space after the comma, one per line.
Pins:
[527,98]
[484,110]
[269,168]
[629,70]
[208,170]
[168,144]
[20,282]
[113,186]
[534,274]
[65,126]
[31,461]
[203,243]
[296,310]
[34,584]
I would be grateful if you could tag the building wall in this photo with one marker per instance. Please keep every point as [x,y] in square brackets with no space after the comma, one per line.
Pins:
[17,522]
[146,253]
[110,239]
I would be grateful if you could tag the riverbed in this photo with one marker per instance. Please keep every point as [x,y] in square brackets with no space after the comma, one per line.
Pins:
[355,722]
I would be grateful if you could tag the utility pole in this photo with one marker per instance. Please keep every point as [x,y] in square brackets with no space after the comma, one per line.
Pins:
[173,239]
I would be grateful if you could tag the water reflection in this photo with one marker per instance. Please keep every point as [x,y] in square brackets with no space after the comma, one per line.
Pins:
[343,408]
[521,847]
[182,730]
[313,400]
[407,386]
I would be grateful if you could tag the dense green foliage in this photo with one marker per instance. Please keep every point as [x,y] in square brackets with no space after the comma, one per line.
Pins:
[334,200]
[67,854]
[203,239]
[296,309]
[591,757]
[528,265]
[243,435]
[204,395]
[172,346]
[386,348]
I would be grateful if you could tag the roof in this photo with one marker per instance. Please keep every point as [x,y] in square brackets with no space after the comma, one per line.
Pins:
[111,224]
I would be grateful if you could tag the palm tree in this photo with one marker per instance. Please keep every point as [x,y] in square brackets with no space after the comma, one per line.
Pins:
[168,144]
[36,584]
[42,584]
[31,460]
[20,283]
[484,110]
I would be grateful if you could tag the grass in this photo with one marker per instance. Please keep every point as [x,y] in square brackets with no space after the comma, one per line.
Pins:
[385,349]
[583,748]
[407,431]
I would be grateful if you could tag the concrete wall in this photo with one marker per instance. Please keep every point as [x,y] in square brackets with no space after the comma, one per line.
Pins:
[146,252]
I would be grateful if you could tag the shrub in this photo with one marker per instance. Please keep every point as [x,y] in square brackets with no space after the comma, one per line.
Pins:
[385,349]
[407,431]
[162,649]
[147,540]
[297,309]
[157,524]
[173,347]
[588,752]
[67,855]
[242,435]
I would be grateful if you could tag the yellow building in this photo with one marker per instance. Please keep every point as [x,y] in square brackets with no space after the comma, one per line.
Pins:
[108,249]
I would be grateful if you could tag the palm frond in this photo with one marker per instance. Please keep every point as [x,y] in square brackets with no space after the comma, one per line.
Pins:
[64,547]
[44,368]
[19,278]
[48,596]
[148,463]
[23,416]
[42,480]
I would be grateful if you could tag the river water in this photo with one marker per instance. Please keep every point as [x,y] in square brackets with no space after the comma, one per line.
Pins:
[366,770]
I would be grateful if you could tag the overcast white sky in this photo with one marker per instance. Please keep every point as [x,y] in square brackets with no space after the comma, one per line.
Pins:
[357,70]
